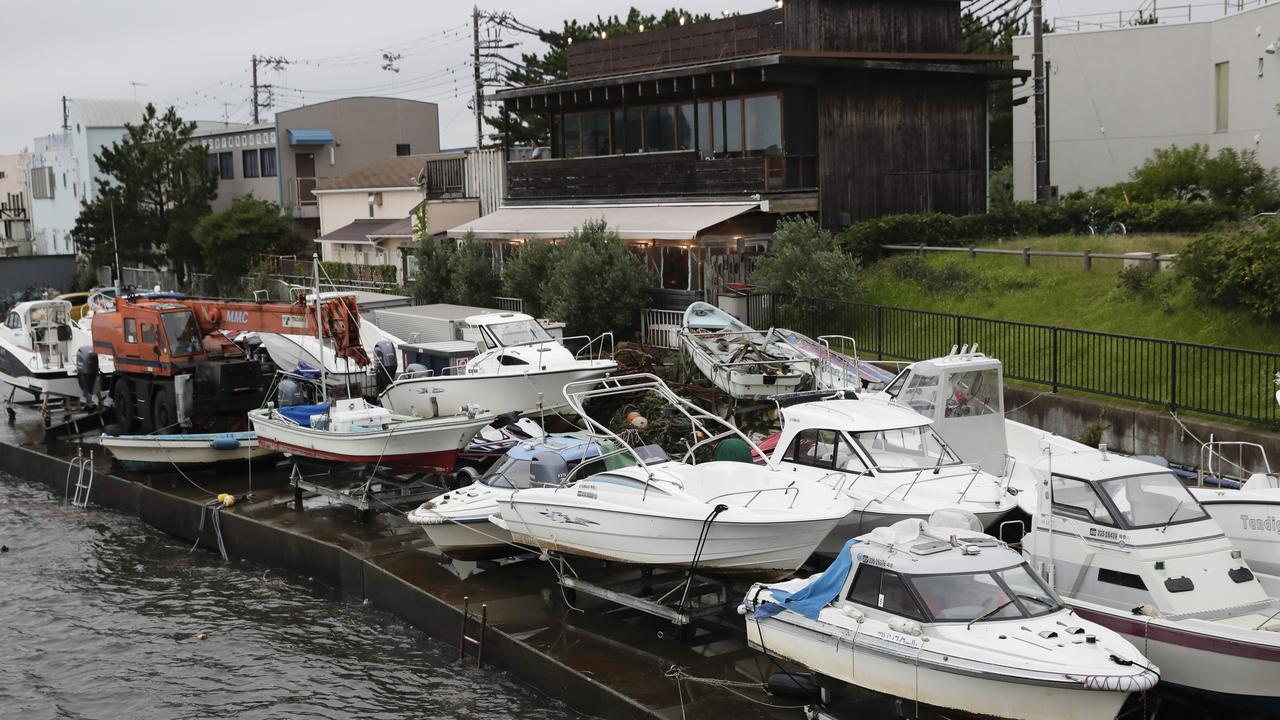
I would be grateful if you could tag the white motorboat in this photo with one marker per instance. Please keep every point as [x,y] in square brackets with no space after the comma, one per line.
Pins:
[742,362]
[886,459]
[458,521]
[353,431]
[38,345]
[946,618]
[523,369]
[291,352]
[1128,547]
[720,517]
[1248,511]
[149,453]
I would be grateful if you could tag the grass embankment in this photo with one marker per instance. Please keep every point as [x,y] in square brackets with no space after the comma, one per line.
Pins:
[1059,291]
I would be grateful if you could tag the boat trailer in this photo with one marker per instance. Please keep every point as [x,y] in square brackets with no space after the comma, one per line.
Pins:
[674,595]
[378,489]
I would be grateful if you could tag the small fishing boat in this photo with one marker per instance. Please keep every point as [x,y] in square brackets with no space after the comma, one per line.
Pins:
[886,459]
[1129,548]
[1247,510]
[291,352]
[38,344]
[744,363]
[523,369]
[721,517]
[158,453]
[353,431]
[458,521]
[946,618]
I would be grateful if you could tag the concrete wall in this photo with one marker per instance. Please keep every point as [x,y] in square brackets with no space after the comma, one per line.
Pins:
[56,271]
[1117,95]
[1132,430]
[52,219]
[340,207]
[236,142]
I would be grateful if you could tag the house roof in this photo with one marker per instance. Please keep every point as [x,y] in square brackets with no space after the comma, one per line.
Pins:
[631,222]
[368,231]
[395,172]
[109,113]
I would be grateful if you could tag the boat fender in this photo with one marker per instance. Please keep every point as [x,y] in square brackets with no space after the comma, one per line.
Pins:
[799,687]
[1146,609]
[226,499]
[905,626]
[224,443]
[853,612]
[742,607]
[637,421]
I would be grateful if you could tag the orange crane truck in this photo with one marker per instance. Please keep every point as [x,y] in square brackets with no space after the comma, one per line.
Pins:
[176,367]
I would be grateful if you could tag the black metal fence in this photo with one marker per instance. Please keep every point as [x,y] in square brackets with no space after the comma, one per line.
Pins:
[1220,381]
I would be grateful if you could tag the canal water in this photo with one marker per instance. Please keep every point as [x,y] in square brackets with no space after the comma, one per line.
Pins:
[100,617]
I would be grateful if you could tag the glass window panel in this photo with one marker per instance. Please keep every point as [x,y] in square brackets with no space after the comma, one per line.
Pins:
[268,157]
[866,586]
[1148,501]
[685,127]
[906,449]
[572,138]
[1076,498]
[729,127]
[705,132]
[675,267]
[249,163]
[973,393]
[659,128]
[763,117]
[966,597]
[595,134]
[633,133]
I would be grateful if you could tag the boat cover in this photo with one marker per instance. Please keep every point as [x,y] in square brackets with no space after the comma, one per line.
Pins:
[301,414]
[810,599]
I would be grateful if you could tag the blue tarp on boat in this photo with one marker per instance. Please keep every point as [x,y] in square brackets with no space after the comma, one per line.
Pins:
[301,414]
[810,599]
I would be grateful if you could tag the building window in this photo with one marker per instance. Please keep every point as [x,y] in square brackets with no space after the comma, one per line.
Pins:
[1,174]
[659,128]
[675,268]
[226,166]
[762,118]
[1222,95]
[402,149]
[213,164]
[249,161]
[595,134]
[268,162]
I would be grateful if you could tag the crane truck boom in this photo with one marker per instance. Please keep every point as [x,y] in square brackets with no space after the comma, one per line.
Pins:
[174,363]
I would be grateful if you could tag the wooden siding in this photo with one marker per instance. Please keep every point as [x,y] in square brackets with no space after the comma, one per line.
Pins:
[737,36]
[665,174]
[893,143]
[917,26]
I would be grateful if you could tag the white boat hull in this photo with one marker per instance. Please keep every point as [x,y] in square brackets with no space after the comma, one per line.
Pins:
[883,673]
[426,445]
[142,452]
[766,549]
[473,540]
[1251,520]
[1189,655]
[501,393]
[737,383]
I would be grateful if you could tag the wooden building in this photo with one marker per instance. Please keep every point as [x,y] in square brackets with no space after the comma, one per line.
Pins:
[846,109]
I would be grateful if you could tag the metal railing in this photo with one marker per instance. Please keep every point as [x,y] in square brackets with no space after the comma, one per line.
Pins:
[1152,12]
[508,304]
[661,328]
[1027,253]
[1213,380]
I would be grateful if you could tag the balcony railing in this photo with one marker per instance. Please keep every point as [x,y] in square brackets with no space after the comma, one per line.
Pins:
[445,176]
[659,174]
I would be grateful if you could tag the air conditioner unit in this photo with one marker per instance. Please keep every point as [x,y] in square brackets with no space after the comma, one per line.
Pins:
[1049,193]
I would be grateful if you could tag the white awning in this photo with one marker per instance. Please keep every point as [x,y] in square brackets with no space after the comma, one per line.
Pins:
[631,222]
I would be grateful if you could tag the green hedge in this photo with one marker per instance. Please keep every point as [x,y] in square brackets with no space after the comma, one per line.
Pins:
[863,239]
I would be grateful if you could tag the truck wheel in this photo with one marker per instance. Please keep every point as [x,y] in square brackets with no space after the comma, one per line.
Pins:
[126,407]
[162,414]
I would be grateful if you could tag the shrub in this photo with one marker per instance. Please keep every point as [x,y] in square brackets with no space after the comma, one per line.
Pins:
[433,281]
[473,281]
[1241,269]
[804,261]
[1232,178]
[1137,278]
[524,275]
[596,284]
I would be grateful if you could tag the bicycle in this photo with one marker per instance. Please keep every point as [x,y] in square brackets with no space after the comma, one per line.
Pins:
[1115,227]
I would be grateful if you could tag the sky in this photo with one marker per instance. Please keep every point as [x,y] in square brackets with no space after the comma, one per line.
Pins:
[196,56]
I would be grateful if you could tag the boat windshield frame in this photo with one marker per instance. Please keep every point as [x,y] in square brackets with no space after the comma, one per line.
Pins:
[874,462]
[1102,487]
[1019,599]
[491,337]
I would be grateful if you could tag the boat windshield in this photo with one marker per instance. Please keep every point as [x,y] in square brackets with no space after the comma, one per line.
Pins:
[180,329]
[519,332]
[510,473]
[903,449]
[999,595]
[1147,501]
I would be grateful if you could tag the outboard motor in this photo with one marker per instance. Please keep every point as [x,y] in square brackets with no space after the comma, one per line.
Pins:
[290,392]
[548,469]
[87,375]
[384,354]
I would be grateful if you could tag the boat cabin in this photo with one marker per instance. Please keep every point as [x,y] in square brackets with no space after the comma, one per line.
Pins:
[553,456]
[860,437]
[42,327]
[1127,533]
[963,394]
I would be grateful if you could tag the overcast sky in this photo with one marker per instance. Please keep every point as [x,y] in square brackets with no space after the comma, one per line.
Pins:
[196,55]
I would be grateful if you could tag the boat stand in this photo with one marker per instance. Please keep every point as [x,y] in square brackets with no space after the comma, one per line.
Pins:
[377,491]
[673,595]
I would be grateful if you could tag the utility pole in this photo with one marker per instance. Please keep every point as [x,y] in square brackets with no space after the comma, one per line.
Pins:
[66,123]
[475,69]
[1041,116]
[258,103]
